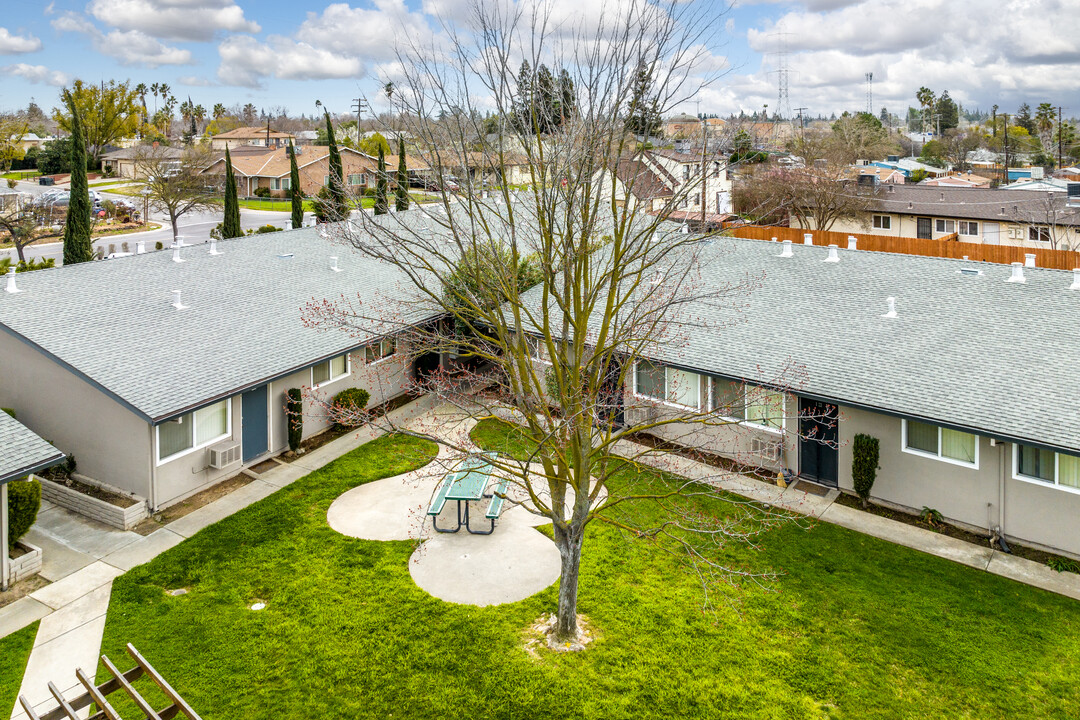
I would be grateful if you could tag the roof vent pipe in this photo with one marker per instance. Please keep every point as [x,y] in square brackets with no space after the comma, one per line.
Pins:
[774,240]
[941,198]
[786,252]
[176,301]
[180,241]
[333,263]
[685,229]
[11,281]
[213,247]
[1017,273]
[807,239]
[176,254]
[140,247]
[910,206]
[1076,279]
[852,243]
[1029,259]
[892,308]
[833,255]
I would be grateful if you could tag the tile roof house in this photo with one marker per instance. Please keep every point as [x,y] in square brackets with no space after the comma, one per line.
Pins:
[958,180]
[121,163]
[258,136]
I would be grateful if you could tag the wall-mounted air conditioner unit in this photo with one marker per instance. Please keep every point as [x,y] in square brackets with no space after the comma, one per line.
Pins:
[223,454]
[768,450]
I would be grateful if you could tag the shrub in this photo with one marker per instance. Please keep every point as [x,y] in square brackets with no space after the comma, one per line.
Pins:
[294,410]
[9,411]
[864,465]
[263,192]
[267,229]
[24,500]
[349,401]
[159,246]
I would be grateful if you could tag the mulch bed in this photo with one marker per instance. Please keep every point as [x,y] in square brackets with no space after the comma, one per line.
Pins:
[193,503]
[120,501]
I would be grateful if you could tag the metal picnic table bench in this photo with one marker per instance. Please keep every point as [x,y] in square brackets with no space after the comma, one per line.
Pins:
[466,484]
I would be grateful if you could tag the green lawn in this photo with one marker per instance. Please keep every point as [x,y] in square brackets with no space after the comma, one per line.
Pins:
[286,205]
[854,628]
[20,175]
[14,652]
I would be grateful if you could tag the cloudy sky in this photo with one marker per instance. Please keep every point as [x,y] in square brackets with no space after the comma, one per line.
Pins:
[287,53]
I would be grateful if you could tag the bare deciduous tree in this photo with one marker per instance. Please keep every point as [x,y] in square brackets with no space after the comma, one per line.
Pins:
[176,186]
[614,283]
[816,197]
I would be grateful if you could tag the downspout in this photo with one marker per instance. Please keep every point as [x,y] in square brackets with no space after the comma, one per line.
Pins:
[153,472]
[1001,501]
[3,537]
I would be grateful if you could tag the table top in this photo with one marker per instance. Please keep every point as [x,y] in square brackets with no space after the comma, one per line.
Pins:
[469,485]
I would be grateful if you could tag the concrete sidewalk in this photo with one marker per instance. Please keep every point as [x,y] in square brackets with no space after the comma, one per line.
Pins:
[82,557]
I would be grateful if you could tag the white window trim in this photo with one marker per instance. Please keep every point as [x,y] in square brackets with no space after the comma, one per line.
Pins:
[750,423]
[882,222]
[530,339]
[333,379]
[664,401]
[1017,475]
[922,453]
[196,448]
[378,360]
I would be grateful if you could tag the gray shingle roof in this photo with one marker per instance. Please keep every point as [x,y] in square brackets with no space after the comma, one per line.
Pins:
[21,451]
[971,351]
[113,321]
[976,204]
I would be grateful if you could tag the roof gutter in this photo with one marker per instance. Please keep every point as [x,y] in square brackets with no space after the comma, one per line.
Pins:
[33,468]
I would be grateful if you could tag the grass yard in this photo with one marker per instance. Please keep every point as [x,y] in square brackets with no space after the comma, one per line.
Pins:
[286,205]
[856,628]
[14,652]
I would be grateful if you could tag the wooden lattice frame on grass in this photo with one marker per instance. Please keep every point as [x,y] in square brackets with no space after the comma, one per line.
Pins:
[97,694]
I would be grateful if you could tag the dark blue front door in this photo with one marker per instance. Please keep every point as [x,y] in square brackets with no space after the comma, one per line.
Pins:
[254,419]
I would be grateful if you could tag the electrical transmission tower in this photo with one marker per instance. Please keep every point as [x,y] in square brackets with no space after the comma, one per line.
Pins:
[869,93]
[783,104]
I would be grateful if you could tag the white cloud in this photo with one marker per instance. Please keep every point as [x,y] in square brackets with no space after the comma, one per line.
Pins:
[130,47]
[369,33]
[246,61]
[14,44]
[38,74]
[174,19]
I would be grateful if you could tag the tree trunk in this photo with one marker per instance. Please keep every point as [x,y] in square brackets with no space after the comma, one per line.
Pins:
[19,250]
[175,229]
[569,542]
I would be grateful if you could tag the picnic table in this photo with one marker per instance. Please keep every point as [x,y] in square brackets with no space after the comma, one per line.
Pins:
[467,484]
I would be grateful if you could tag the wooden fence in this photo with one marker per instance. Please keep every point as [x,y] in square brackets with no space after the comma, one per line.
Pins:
[947,246]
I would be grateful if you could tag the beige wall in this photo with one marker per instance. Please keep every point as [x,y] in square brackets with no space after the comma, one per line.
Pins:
[190,473]
[1009,233]
[110,443]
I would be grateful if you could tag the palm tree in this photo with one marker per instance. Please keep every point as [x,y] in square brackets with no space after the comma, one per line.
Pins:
[140,90]
[219,111]
[199,113]
[249,113]
[155,89]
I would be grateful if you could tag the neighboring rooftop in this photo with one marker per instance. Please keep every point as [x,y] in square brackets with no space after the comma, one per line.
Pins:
[249,133]
[977,204]
[21,451]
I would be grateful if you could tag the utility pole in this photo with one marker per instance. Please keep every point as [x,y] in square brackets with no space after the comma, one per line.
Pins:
[1006,149]
[1059,137]
[802,122]
[358,106]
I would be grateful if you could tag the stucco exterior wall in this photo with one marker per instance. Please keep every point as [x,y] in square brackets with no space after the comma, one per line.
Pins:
[1009,233]
[190,473]
[110,442]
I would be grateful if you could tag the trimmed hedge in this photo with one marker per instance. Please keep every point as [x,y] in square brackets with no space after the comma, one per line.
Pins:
[352,400]
[24,501]
[864,465]
[294,409]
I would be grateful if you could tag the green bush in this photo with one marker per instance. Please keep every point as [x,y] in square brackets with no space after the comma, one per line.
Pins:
[294,409]
[158,245]
[263,192]
[9,411]
[267,229]
[352,400]
[864,465]
[24,499]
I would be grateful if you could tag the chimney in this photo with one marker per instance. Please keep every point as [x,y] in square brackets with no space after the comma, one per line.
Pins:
[1017,273]
[807,239]
[892,187]
[11,281]
[176,254]
[892,308]
[333,263]
[833,255]
[1029,259]
[213,247]
[176,301]
[140,247]
[786,252]
[852,243]
[1076,279]
[155,143]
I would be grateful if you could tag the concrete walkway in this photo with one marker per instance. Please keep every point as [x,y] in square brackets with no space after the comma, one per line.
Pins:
[82,557]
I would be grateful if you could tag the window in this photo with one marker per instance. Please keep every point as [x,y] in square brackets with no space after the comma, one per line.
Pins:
[952,446]
[1039,233]
[281,183]
[667,384]
[380,350]
[685,172]
[1046,466]
[192,431]
[329,370]
[946,226]
[358,179]
[882,222]
[716,169]
[969,227]
[752,403]
[728,398]
[326,180]
[537,349]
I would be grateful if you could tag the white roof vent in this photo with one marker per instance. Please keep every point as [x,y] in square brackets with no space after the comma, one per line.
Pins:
[176,301]
[892,308]
[213,247]
[1029,259]
[333,263]
[807,239]
[786,252]
[1076,279]
[685,229]
[1017,273]
[852,242]
[140,247]
[176,254]
[180,240]
[774,240]
[834,256]
[11,281]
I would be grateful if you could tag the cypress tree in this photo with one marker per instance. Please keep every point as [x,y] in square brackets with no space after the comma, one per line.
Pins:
[381,205]
[230,227]
[77,245]
[294,185]
[338,205]
[402,178]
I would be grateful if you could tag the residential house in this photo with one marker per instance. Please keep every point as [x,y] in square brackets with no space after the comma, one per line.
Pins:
[257,136]
[180,380]
[993,216]
[122,163]
[491,169]
[31,140]
[689,126]
[880,175]
[920,353]
[969,180]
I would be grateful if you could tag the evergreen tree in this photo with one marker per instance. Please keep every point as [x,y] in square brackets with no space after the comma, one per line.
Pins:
[642,115]
[402,178]
[77,245]
[1023,118]
[947,111]
[523,111]
[381,205]
[567,97]
[339,209]
[294,189]
[230,226]
[545,101]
